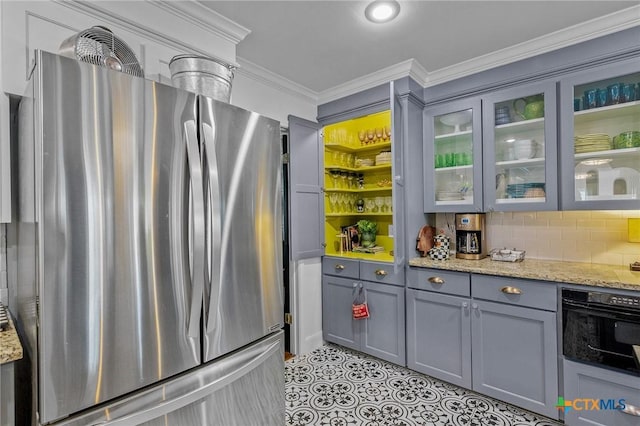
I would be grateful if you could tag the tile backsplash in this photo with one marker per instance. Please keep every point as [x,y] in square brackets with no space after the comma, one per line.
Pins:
[575,236]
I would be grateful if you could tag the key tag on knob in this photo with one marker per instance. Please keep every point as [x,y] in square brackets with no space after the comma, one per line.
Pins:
[359,307]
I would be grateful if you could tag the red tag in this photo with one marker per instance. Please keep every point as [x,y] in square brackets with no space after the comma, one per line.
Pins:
[360,311]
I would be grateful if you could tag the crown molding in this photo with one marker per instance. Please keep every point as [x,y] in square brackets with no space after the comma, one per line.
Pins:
[209,20]
[270,79]
[383,76]
[93,9]
[598,27]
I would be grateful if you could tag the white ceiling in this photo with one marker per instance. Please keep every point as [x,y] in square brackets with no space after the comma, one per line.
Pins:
[322,45]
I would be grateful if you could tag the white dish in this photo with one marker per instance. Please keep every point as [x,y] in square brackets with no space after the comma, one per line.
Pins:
[456,119]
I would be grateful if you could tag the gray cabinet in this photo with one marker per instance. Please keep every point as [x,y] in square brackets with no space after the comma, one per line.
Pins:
[439,336]
[338,325]
[453,157]
[306,206]
[514,355]
[494,335]
[497,152]
[383,333]
[611,388]
[520,156]
[600,137]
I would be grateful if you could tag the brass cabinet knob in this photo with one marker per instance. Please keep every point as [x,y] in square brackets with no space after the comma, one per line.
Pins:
[381,272]
[511,290]
[339,267]
[436,280]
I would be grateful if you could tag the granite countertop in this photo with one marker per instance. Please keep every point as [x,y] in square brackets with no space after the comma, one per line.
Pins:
[10,347]
[611,276]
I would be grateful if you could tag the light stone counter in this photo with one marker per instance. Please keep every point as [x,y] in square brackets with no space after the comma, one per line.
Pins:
[611,276]
[10,347]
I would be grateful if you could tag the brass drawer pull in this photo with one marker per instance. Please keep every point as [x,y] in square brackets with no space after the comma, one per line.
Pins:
[436,280]
[511,290]
[339,267]
[381,272]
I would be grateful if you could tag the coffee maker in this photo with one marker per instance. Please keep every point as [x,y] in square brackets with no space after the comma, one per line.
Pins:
[471,240]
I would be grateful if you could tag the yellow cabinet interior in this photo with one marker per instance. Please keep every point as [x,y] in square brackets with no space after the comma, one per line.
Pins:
[357,166]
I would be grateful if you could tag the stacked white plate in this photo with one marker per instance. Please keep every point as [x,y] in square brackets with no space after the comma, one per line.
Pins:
[592,142]
[448,196]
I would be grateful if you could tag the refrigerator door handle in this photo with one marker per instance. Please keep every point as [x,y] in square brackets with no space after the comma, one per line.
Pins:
[214,219]
[196,233]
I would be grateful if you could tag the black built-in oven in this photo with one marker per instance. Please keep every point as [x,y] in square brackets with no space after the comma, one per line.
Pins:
[602,329]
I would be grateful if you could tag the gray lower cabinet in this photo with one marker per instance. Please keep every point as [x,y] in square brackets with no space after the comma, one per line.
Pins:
[383,333]
[338,325]
[494,335]
[439,336]
[515,355]
[618,396]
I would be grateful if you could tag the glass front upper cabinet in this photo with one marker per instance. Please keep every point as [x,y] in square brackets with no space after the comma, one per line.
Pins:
[453,157]
[600,147]
[520,149]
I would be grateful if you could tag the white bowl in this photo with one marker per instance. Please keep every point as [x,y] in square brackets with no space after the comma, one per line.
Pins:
[524,148]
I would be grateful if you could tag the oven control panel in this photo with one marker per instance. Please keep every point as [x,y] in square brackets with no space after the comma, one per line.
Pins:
[625,301]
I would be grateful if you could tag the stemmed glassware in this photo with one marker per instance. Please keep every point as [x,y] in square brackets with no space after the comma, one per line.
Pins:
[379,203]
[362,135]
[388,202]
[335,174]
[344,199]
[351,177]
[343,176]
[333,199]
[369,204]
[335,156]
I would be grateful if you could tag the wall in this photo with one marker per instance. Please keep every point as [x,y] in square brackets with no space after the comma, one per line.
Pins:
[259,90]
[307,306]
[573,236]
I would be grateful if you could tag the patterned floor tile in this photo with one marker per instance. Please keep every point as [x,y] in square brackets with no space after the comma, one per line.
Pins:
[334,386]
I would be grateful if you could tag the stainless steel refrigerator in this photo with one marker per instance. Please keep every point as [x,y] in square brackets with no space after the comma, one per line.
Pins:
[148,238]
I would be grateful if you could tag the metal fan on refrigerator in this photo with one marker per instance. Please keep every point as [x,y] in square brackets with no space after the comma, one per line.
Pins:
[97,45]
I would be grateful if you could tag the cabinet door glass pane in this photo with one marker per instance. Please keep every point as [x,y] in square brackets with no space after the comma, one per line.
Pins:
[607,139]
[520,150]
[453,158]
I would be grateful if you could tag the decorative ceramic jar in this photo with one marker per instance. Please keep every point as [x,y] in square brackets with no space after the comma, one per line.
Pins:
[440,250]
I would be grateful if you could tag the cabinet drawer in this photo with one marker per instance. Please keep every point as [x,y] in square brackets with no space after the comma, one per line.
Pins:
[610,388]
[381,272]
[448,282]
[341,267]
[528,293]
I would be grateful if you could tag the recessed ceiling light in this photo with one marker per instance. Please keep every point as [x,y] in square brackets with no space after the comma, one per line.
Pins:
[382,11]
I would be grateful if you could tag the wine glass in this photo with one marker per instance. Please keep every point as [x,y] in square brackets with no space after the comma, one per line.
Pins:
[369,204]
[362,135]
[351,178]
[387,130]
[388,202]
[352,202]
[370,135]
[344,200]
[335,174]
[379,202]
[343,177]
[333,199]
[379,131]
[335,157]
